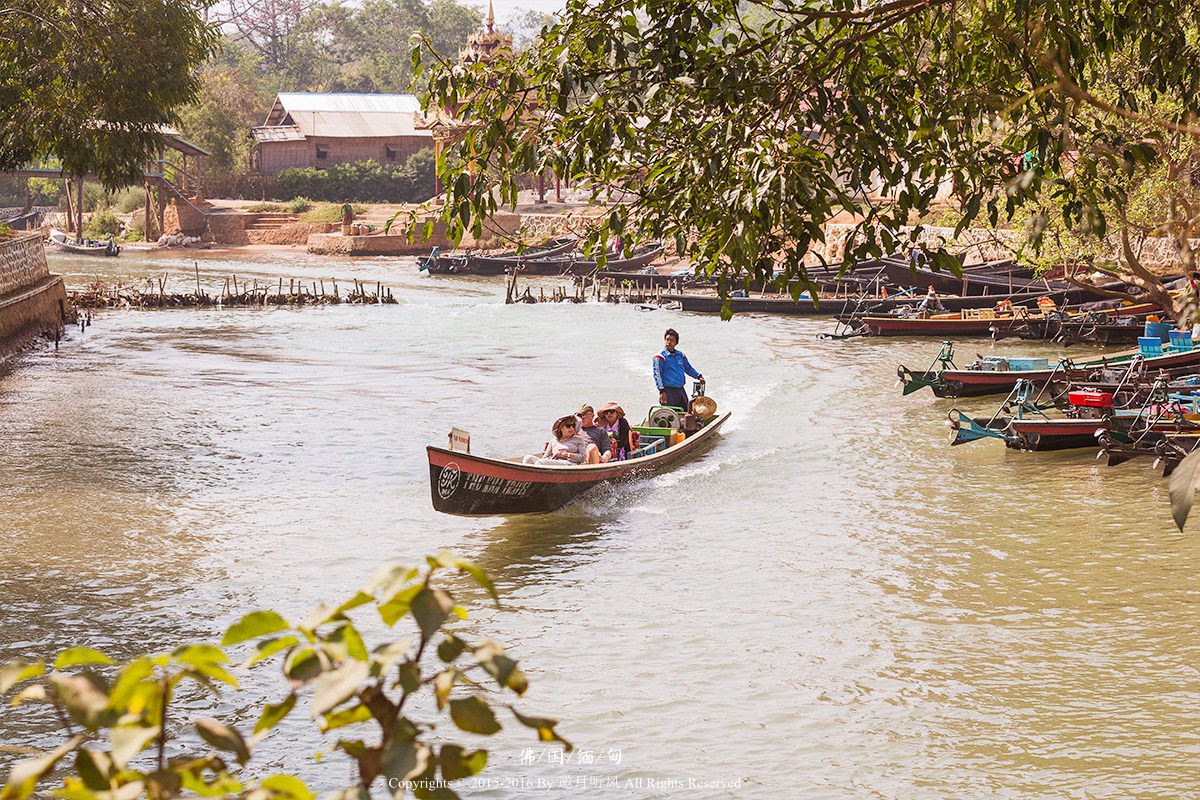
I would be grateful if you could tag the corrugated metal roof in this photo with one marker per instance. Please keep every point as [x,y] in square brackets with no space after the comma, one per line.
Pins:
[346,115]
[277,133]
[318,101]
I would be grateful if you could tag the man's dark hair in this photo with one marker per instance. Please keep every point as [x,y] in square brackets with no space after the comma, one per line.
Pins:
[672,332]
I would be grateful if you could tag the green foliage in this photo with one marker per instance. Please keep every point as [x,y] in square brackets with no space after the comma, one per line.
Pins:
[341,47]
[103,223]
[330,212]
[298,205]
[738,129]
[75,82]
[130,200]
[366,181]
[231,100]
[46,191]
[95,197]
[125,719]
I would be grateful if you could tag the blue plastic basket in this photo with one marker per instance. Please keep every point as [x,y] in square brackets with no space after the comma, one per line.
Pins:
[1159,330]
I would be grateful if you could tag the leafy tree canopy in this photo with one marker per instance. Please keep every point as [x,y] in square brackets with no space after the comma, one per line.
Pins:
[738,129]
[92,83]
[344,47]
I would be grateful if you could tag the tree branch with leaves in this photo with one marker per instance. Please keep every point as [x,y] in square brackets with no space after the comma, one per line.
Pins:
[740,128]
[119,719]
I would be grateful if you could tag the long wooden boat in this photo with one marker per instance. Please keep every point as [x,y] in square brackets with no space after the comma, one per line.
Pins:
[997,375]
[1167,448]
[1114,332]
[89,247]
[784,304]
[941,326]
[975,282]
[476,264]
[639,258]
[1084,415]
[470,485]
[677,279]
[1027,324]
[1067,433]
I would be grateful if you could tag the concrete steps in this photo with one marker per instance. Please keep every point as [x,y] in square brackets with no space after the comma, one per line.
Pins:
[269,221]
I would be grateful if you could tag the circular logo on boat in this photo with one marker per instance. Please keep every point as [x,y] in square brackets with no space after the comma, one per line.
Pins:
[448,480]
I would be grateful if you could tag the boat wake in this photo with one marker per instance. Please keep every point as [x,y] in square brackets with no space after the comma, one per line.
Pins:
[742,402]
[641,495]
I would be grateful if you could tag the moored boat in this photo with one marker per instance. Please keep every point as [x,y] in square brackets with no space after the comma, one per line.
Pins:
[1043,322]
[784,304]
[997,374]
[1088,415]
[638,258]
[477,264]
[992,278]
[91,247]
[963,323]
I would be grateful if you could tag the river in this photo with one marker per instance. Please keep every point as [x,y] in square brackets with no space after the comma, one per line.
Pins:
[831,603]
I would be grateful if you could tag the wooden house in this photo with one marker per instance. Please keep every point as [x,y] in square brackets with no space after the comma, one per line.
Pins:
[317,130]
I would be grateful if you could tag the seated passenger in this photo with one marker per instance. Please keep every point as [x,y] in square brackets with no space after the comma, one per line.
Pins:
[613,423]
[599,437]
[931,302]
[567,446]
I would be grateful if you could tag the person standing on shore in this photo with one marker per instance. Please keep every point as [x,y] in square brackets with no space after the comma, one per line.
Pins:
[671,369]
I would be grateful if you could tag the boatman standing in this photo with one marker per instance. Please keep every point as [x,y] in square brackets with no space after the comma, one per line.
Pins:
[671,369]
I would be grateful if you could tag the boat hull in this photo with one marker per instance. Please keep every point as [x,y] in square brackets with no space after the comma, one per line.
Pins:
[472,264]
[470,485]
[978,382]
[1056,434]
[845,309]
[983,282]
[640,258]
[915,326]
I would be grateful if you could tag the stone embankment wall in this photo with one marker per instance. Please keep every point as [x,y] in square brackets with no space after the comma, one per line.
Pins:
[539,227]
[227,229]
[293,233]
[32,301]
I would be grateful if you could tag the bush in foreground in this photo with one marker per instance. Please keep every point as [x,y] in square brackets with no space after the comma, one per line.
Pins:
[117,719]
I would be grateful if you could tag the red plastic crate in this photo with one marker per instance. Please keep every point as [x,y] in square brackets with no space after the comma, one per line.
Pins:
[1092,398]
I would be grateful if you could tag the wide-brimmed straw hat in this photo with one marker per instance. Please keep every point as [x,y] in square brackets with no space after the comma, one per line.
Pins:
[704,407]
[612,407]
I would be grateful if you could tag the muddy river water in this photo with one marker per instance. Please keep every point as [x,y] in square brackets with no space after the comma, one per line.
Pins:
[831,603]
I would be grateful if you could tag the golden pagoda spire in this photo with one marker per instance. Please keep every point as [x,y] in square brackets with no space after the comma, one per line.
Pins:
[486,44]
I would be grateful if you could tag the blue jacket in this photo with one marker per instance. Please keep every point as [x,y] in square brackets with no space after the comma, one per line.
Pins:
[670,369]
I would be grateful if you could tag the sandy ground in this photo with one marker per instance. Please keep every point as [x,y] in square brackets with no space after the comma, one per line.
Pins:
[526,204]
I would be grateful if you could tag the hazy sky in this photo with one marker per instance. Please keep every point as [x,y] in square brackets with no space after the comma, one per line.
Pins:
[506,8]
